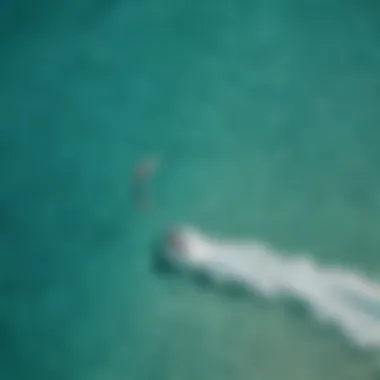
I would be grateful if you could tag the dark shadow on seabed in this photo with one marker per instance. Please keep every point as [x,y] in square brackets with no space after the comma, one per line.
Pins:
[169,267]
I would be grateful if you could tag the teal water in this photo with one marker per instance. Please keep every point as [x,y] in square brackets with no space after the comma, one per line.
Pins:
[265,116]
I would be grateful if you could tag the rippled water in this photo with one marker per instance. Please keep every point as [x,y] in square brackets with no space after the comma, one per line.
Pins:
[264,115]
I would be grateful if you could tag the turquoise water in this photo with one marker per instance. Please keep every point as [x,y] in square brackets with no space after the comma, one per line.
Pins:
[265,117]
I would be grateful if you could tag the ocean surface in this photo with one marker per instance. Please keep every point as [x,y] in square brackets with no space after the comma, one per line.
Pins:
[265,117]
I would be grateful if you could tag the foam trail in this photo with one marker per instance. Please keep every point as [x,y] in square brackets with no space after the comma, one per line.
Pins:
[334,295]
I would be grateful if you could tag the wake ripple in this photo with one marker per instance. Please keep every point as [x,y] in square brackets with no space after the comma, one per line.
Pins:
[334,295]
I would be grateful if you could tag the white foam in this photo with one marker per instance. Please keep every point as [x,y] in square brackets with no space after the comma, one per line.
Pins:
[334,295]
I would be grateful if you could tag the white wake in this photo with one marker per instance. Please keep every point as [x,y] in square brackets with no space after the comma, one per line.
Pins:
[334,295]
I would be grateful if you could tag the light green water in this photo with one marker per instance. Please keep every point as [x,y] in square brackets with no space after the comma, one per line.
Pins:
[265,115]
